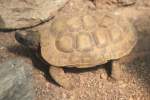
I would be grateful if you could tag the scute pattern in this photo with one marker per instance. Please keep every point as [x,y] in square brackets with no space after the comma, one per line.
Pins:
[74,23]
[118,33]
[59,26]
[101,37]
[88,21]
[85,41]
[65,44]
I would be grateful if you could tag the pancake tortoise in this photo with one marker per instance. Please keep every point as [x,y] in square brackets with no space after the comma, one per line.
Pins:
[82,41]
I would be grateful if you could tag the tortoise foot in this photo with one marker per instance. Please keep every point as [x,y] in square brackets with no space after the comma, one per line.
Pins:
[61,78]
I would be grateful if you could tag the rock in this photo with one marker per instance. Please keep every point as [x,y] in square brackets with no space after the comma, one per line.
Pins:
[105,4]
[25,13]
[16,81]
[127,2]
[143,3]
[112,4]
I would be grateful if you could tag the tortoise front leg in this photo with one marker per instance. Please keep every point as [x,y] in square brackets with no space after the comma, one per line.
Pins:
[60,77]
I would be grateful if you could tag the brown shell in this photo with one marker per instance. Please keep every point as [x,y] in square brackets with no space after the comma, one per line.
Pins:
[87,40]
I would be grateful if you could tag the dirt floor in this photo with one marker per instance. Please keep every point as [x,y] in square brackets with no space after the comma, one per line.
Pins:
[91,84]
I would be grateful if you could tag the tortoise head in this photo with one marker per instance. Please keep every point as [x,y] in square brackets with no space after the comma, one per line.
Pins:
[30,39]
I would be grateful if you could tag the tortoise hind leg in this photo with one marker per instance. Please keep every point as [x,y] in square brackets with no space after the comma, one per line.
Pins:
[59,76]
[114,70]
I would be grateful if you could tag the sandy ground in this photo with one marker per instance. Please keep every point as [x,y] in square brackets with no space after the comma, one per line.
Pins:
[91,84]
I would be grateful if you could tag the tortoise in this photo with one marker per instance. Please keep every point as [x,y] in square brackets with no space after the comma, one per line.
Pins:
[81,41]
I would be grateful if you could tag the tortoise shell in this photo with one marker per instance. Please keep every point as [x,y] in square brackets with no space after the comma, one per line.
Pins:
[86,40]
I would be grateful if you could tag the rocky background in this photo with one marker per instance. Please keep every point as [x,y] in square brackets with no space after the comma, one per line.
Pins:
[24,77]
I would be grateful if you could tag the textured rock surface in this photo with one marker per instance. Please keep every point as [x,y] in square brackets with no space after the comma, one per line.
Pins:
[143,3]
[109,4]
[16,81]
[26,13]
[127,2]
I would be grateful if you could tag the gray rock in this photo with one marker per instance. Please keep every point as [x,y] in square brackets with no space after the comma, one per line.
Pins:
[127,2]
[25,13]
[16,81]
